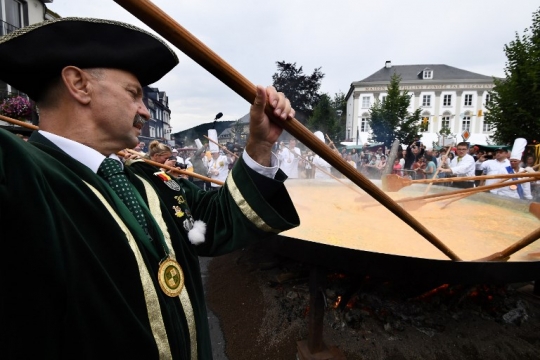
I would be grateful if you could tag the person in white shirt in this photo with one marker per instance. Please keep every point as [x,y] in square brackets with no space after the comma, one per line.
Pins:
[322,168]
[494,166]
[288,159]
[461,165]
[218,168]
[519,191]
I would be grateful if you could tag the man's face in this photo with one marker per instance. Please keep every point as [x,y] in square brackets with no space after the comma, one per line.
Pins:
[515,164]
[215,155]
[292,144]
[116,100]
[500,155]
[461,151]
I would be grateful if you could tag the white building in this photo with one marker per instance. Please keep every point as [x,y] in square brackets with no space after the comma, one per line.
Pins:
[447,96]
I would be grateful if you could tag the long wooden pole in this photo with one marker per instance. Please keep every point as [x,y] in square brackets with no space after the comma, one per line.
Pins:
[224,148]
[122,154]
[458,192]
[439,168]
[169,29]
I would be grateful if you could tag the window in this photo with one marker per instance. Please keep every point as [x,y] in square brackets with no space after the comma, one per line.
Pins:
[365,102]
[424,123]
[411,100]
[383,98]
[14,13]
[466,123]
[428,74]
[426,100]
[488,99]
[447,100]
[152,132]
[468,100]
[364,123]
[445,122]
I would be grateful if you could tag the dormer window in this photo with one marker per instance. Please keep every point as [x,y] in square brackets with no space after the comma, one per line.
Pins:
[427,74]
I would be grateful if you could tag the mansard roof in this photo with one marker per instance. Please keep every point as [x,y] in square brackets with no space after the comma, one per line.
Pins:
[413,73]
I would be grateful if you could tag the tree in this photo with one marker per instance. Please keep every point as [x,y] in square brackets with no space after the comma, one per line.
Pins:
[328,116]
[514,108]
[390,119]
[301,90]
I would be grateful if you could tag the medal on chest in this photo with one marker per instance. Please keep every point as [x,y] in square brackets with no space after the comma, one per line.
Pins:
[167,180]
[171,277]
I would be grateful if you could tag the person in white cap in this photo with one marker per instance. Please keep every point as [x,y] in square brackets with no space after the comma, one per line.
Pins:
[322,168]
[218,166]
[109,266]
[519,191]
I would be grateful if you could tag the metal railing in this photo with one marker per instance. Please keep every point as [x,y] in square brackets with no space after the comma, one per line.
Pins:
[6,28]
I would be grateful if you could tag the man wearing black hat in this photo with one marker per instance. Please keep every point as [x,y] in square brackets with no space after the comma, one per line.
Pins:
[100,260]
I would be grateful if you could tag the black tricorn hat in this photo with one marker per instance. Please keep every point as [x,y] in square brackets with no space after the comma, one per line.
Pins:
[34,55]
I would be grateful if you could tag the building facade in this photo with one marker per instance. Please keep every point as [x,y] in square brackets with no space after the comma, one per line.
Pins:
[15,14]
[159,125]
[449,98]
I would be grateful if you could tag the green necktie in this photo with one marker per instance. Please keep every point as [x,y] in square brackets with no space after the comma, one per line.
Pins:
[111,170]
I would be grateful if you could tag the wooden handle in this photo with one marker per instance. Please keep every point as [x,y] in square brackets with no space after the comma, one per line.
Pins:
[169,29]
[170,168]
[184,172]
[438,170]
[473,178]
[465,191]
[224,148]
[515,247]
[18,122]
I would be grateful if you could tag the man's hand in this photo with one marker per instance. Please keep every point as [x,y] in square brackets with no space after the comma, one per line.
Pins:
[263,133]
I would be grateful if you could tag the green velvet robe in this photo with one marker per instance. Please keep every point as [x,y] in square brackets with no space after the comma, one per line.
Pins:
[77,282]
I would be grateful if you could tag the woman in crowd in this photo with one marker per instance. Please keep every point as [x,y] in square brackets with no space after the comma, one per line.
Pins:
[162,154]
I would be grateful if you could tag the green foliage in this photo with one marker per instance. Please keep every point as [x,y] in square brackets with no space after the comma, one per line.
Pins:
[390,119]
[300,89]
[328,116]
[514,108]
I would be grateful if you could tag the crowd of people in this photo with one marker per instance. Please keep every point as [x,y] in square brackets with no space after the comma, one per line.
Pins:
[210,162]
[417,161]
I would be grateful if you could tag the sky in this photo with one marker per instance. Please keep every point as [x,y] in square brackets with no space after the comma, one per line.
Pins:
[348,39]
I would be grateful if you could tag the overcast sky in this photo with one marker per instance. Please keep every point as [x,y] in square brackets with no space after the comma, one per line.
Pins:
[348,39]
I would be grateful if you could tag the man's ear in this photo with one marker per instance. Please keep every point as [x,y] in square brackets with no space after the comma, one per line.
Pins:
[77,83]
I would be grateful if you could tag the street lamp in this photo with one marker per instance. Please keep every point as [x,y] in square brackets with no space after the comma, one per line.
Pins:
[218,116]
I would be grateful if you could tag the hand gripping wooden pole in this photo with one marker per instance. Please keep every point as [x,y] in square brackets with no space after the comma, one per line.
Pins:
[169,29]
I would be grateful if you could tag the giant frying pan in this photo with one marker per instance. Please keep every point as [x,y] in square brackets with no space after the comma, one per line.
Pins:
[337,232]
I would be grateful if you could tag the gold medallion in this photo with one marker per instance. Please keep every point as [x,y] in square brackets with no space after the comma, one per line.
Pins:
[171,277]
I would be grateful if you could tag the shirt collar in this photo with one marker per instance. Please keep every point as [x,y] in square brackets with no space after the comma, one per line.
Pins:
[82,153]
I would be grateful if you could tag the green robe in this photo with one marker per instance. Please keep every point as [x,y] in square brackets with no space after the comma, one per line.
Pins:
[76,280]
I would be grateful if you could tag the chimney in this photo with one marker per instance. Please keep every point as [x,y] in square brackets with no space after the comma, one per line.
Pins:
[388,64]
